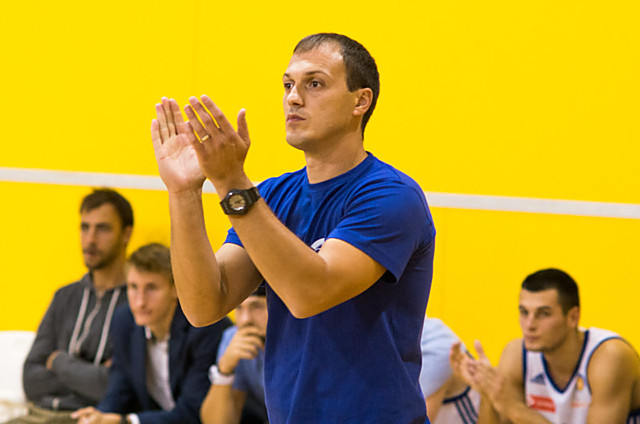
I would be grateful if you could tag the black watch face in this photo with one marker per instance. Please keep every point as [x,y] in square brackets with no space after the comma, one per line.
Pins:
[237,202]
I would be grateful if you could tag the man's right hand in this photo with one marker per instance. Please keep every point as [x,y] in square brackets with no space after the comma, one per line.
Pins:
[245,344]
[177,161]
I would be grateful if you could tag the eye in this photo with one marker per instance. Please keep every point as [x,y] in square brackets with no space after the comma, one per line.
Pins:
[315,84]
[287,86]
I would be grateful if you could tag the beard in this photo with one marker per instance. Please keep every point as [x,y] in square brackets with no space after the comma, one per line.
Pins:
[100,260]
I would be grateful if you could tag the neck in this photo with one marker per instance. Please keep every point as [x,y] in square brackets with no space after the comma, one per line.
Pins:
[161,329]
[110,276]
[563,360]
[331,161]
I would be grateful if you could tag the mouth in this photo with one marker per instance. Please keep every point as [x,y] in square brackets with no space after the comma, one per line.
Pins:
[292,117]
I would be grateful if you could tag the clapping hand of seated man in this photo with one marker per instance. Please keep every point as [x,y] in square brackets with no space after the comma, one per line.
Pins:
[245,344]
[483,377]
[90,415]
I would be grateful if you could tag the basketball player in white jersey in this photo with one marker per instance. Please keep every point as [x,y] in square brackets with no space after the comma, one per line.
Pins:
[558,372]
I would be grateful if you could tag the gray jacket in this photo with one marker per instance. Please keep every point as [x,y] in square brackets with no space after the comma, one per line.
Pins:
[77,324]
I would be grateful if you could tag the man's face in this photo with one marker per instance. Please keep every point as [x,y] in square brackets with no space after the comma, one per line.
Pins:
[152,297]
[317,103]
[544,325]
[253,312]
[102,237]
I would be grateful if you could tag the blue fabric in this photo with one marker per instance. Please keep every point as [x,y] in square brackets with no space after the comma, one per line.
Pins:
[191,352]
[249,374]
[359,361]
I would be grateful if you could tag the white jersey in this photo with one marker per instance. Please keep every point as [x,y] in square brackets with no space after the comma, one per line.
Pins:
[568,405]
[461,409]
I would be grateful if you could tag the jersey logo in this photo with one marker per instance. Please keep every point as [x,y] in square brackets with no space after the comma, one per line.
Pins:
[316,245]
[541,403]
[538,379]
[579,383]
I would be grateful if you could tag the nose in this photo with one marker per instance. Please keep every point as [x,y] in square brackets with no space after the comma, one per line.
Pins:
[242,318]
[293,97]
[530,322]
[137,299]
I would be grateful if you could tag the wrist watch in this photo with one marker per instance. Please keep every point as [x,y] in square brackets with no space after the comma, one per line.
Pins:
[219,379]
[238,202]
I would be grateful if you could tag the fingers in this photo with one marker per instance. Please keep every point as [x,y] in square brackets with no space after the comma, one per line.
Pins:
[177,117]
[243,129]
[155,135]
[82,412]
[168,112]
[217,114]
[482,356]
[162,123]
[190,133]
[195,127]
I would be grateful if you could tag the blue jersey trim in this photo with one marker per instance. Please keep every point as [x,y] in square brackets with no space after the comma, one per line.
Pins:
[575,371]
[455,398]
[593,350]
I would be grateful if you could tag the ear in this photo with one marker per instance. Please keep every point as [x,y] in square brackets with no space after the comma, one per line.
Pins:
[364,97]
[126,234]
[573,315]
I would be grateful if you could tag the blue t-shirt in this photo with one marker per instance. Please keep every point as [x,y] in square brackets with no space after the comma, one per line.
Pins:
[358,362]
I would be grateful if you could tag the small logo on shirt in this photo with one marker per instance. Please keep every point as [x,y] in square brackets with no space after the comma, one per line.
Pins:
[538,379]
[316,245]
[579,383]
[541,403]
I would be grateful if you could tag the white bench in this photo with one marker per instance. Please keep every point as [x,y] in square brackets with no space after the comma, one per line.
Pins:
[14,347]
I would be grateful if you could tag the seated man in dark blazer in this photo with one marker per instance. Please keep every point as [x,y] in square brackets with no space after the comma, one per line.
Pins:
[160,361]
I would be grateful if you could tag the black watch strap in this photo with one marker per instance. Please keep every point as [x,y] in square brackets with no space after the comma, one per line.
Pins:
[239,201]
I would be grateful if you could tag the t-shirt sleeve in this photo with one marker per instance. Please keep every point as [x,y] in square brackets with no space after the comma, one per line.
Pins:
[388,222]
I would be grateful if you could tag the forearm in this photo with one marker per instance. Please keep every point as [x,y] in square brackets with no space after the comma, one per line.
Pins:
[80,376]
[297,274]
[221,406]
[38,382]
[196,271]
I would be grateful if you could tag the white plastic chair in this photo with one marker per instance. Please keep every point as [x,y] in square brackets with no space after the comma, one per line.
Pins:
[14,347]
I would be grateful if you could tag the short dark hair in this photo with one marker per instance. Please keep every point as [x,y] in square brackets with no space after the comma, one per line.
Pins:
[552,278]
[153,257]
[101,196]
[360,67]
[260,291]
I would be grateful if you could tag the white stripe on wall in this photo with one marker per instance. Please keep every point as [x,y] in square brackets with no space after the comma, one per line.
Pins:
[438,200]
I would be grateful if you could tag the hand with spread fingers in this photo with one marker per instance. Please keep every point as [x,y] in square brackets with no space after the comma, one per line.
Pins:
[221,150]
[177,161]
[460,361]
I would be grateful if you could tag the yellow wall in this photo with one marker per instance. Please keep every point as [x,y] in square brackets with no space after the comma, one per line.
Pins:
[528,99]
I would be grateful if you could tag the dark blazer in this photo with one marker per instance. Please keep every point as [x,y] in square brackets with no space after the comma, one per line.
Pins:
[191,352]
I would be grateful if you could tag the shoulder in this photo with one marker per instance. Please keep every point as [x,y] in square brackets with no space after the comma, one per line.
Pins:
[272,184]
[511,363]
[612,357]
[436,334]
[122,321]
[72,288]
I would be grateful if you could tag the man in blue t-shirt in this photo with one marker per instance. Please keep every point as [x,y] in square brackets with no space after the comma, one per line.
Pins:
[345,244]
